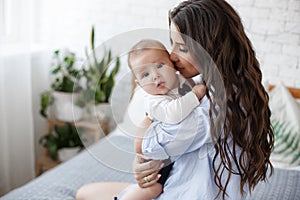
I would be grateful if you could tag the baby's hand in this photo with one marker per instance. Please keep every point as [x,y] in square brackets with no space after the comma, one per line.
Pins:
[199,90]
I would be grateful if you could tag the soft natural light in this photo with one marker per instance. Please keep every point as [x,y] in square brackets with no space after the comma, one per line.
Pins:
[32,30]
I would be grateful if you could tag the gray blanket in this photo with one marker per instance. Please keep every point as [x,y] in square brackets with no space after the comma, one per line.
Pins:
[100,163]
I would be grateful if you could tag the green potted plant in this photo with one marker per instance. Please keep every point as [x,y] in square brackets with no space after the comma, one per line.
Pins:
[100,79]
[65,87]
[63,138]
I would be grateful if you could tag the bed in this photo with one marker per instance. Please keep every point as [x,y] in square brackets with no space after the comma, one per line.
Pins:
[110,160]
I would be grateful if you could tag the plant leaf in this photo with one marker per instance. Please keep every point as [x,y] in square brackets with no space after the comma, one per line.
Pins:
[286,141]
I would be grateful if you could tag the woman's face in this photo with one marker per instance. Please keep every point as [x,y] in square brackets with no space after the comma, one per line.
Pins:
[180,54]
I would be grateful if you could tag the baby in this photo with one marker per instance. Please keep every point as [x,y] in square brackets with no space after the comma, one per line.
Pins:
[155,74]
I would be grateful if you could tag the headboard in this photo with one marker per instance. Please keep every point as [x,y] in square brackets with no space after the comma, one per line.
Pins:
[294,91]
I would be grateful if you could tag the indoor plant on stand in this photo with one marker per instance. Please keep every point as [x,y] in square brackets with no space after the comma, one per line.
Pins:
[63,142]
[65,88]
[99,77]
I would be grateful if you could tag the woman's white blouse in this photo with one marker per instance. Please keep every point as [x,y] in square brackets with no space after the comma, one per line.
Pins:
[189,145]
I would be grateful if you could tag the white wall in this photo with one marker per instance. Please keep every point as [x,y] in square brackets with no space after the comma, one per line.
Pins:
[68,22]
[272,26]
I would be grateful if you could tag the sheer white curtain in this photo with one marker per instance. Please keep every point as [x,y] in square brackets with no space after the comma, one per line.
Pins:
[16,121]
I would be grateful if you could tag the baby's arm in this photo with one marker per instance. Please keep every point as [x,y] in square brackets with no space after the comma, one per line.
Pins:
[173,111]
[199,90]
[140,134]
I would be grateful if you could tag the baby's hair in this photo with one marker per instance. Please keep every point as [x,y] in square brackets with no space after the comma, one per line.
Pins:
[142,45]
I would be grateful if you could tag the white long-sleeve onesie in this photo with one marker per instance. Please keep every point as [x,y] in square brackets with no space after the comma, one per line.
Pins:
[171,108]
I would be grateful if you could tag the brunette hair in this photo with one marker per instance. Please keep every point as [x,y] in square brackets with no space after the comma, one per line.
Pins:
[216,26]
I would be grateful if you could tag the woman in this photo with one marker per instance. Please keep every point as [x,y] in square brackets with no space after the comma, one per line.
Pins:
[241,137]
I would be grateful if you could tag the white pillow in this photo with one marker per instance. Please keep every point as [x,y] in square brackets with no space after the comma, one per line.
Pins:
[286,123]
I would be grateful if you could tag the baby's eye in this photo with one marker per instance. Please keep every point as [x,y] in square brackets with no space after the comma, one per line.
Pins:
[160,65]
[145,74]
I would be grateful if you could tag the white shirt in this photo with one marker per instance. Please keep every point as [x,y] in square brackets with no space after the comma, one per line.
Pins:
[189,144]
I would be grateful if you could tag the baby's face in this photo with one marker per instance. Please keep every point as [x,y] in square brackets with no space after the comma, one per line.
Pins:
[155,72]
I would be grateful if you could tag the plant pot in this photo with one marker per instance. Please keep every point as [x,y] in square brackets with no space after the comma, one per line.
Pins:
[65,154]
[102,113]
[64,107]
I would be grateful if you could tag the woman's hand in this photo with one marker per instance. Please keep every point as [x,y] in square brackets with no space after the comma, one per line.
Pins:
[146,171]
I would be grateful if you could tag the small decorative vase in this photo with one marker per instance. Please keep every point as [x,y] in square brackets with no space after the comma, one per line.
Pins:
[65,154]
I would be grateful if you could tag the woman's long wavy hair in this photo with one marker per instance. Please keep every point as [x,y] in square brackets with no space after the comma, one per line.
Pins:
[247,138]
